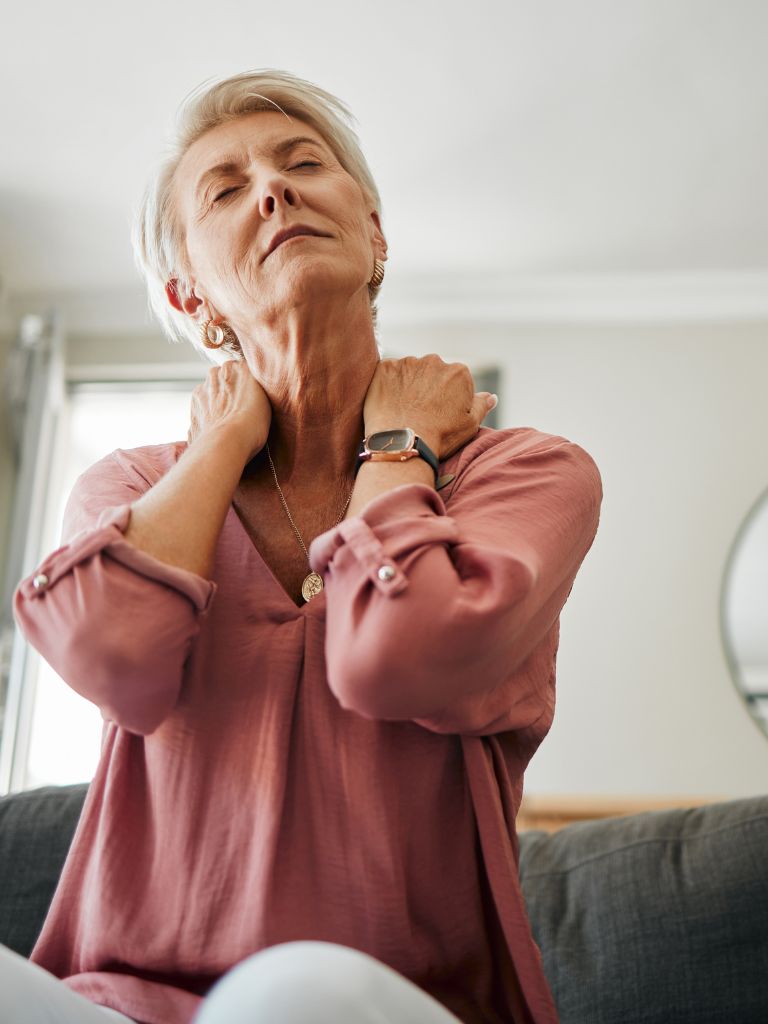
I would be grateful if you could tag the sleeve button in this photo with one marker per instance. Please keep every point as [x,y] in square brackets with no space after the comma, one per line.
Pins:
[386,573]
[40,582]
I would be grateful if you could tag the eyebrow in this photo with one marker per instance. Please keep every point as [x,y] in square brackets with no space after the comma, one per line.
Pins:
[231,163]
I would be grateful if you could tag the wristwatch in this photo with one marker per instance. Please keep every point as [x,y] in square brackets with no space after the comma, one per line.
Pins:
[396,446]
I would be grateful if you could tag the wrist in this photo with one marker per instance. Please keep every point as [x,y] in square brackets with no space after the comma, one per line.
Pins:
[376,478]
[398,445]
[241,443]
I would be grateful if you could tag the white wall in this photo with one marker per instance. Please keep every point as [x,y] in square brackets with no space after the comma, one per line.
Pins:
[677,420]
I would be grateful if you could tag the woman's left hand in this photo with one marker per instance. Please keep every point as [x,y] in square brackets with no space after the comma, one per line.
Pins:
[436,399]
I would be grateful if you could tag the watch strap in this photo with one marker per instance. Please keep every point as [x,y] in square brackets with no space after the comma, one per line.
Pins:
[428,455]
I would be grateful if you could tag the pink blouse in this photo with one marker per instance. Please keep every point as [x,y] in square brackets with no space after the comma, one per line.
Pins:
[347,771]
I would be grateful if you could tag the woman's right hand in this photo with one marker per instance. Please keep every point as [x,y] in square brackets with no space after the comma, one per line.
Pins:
[231,398]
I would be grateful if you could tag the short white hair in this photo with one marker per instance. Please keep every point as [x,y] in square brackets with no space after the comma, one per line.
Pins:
[157,240]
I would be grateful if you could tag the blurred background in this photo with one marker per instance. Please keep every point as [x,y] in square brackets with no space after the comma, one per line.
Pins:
[574,199]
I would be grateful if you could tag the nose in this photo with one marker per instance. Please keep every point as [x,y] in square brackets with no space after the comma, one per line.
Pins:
[276,193]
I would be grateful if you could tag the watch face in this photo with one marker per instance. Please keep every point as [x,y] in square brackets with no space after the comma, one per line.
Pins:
[391,440]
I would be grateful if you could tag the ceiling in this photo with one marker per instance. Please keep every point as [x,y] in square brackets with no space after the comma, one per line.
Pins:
[527,137]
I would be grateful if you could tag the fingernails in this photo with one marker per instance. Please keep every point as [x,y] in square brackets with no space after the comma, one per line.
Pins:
[493,401]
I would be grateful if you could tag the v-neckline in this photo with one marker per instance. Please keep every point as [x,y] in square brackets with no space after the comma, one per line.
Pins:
[283,594]
[318,603]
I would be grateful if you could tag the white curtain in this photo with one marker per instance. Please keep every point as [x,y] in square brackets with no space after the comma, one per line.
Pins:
[34,398]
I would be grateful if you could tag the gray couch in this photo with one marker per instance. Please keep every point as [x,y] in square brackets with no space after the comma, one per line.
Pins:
[655,918]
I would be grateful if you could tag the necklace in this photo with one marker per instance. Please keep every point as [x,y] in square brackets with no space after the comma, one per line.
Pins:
[313,582]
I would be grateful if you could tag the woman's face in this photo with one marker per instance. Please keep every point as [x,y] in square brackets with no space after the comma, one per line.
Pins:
[241,184]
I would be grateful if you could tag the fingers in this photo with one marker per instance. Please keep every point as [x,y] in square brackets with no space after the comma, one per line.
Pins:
[482,404]
[222,378]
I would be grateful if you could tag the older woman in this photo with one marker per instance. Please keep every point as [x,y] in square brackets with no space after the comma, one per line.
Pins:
[321,632]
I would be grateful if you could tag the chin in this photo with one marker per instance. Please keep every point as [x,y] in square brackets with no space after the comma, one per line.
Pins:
[313,281]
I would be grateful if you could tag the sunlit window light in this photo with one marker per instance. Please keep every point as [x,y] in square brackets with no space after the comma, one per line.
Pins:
[66,728]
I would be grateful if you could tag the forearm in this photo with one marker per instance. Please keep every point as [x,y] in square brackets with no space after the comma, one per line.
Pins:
[375,478]
[445,635]
[179,520]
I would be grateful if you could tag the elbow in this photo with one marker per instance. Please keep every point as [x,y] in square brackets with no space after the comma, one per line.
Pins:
[379,679]
[399,681]
[372,694]
[135,688]
[127,692]
[488,687]
[136,693]
[105,663]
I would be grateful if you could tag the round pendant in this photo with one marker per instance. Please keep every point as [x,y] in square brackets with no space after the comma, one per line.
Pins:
[311,586]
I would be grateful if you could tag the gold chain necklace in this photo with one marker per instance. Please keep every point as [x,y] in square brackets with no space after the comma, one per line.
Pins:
[313,583]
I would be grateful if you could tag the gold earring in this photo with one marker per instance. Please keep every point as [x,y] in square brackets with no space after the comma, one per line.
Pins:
[216,335]
[378,274]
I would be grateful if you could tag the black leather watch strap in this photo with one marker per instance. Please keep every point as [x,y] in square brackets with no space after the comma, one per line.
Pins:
[428,455]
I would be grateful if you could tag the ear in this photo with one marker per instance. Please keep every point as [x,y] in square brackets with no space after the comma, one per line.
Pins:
[183,298]
[379,241]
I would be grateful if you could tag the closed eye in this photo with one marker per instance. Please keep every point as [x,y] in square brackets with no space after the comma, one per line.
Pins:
[226,192]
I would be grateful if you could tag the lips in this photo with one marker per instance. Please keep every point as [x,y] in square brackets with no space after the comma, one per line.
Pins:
[292,232]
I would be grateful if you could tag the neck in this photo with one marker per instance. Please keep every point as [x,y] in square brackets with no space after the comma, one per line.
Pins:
[316,376]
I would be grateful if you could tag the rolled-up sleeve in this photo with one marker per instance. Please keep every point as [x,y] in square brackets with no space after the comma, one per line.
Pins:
[448,614]
[113,621]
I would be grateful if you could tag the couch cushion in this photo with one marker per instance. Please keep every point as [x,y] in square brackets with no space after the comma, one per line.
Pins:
[649,919]
[36,828]
[654,918]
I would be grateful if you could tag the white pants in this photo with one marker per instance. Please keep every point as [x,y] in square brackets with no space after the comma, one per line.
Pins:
[293,983]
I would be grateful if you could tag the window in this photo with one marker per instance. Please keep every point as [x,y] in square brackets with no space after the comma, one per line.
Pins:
[65,731]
